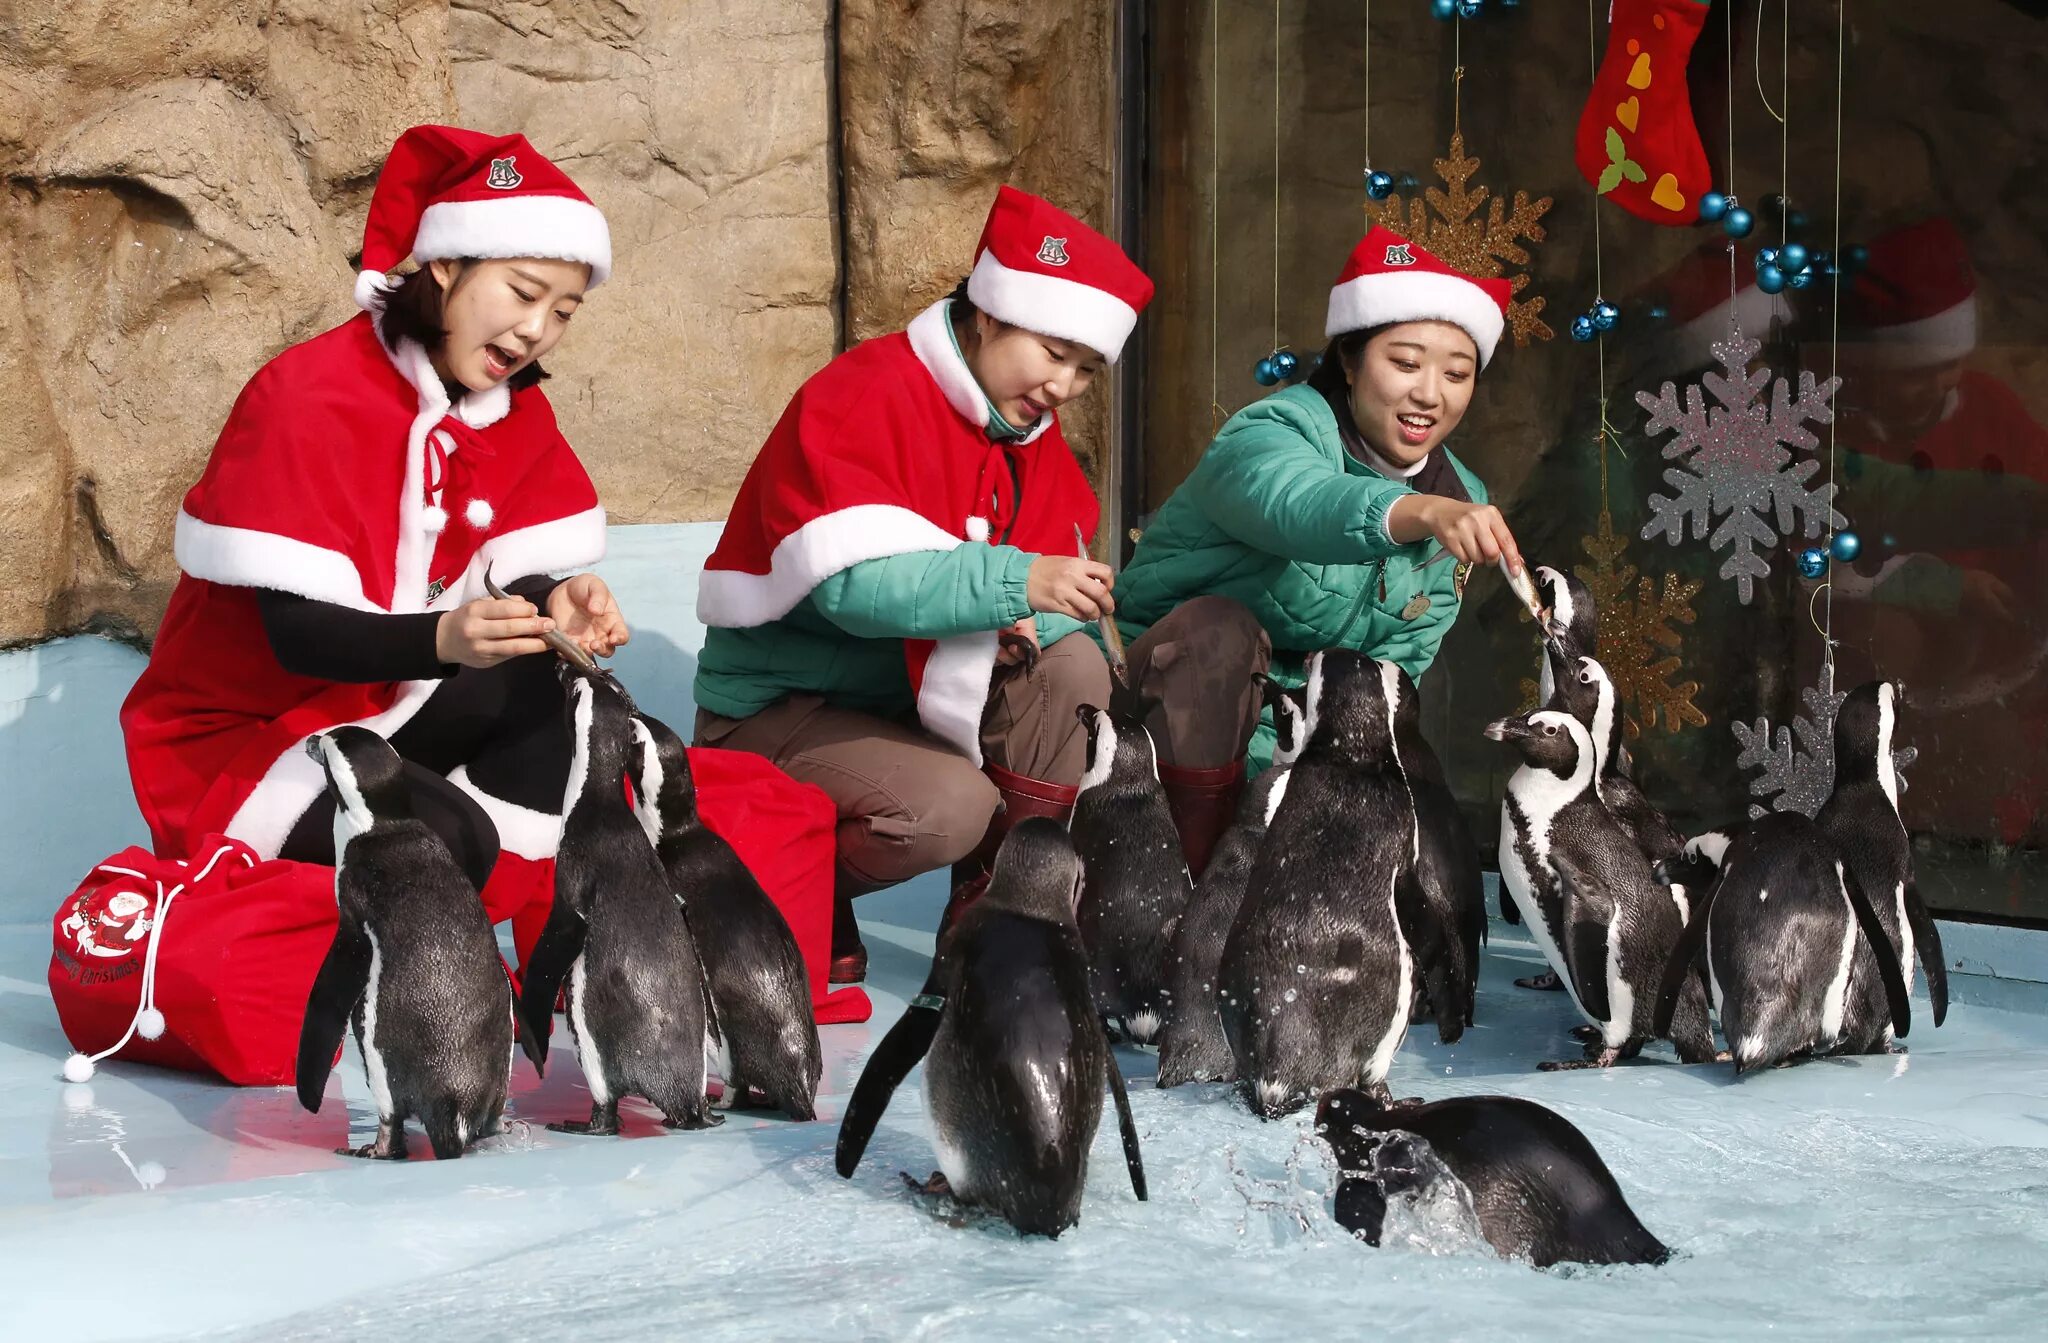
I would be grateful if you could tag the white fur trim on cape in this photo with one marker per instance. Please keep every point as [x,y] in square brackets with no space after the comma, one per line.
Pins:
[294,780]
[1052,306]
[1416,296]
[1947,335]
[574,542]
[931,340]
[953,695]
[250,559]
[538,226]
[822,547]
[531,834]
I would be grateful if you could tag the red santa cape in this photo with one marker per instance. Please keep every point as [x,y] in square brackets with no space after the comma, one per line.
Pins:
[344,475]
[884,452]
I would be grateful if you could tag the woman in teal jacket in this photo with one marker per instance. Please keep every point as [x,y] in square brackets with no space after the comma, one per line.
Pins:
[1328,515]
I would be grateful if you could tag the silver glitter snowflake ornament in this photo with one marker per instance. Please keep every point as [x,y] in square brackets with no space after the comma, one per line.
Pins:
[1738,461]
[1798,765]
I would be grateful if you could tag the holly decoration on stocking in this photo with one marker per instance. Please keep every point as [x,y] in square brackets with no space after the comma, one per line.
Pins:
[1636,140]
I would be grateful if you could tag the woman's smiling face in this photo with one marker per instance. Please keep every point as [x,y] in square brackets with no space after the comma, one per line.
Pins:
[1026,374]
[502,315]
[1410,387]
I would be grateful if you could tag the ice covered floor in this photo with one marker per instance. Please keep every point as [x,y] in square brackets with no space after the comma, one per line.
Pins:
[1902,1196]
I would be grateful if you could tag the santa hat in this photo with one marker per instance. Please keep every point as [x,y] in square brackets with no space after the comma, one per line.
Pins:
[1914,303]
[1702,294]
[1390,279]
[1040,268]
[447,192]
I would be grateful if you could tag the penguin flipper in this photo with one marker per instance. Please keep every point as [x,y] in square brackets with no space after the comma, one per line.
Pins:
[1442,965]
[337,988]
[1888,968]
[1585,941]
[1134,1161]
[906,1044]
[1927,941]
[540,977]
[1684,953]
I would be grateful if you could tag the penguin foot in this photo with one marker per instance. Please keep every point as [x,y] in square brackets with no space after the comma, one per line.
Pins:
[1605,1058]
[1547,982]
[938,1186]
[693,1119]
[389,1144]
[1586,1035]
[603,1122]
[1723,1056]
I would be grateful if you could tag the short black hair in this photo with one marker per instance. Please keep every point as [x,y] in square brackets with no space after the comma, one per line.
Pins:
[412,311]
[1344,348]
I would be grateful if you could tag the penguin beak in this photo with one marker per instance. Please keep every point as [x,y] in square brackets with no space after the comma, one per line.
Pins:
[1507,729]
[313,750]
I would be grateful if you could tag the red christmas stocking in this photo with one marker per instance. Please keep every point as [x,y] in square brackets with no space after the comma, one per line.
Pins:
[1636,141]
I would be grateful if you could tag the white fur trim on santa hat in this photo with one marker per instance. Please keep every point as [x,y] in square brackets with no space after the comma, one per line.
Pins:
[512,226]
[1946,336]
[1066,309]
[931,340]
[242,558]
[822,547]
[531,834]
[478,514]
[953,695]
[371,287]
[1416,296]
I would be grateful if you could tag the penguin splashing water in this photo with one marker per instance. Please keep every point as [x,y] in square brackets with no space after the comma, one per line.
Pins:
[638,1009]
[413,967]
[1018,1055]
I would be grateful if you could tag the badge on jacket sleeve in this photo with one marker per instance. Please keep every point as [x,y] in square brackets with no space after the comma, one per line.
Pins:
[1416,606]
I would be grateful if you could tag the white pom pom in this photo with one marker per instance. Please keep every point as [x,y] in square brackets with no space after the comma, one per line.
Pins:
[433,518]
[479,513]
[78,1068]
[371,287]
[150,1024]
[977,529]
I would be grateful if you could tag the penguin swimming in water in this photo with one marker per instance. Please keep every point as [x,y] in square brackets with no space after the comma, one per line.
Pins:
[1317,974]
[1447,868]
[1779,925]
[760,993]
[1017,1052]
[638,1009]
[1537,1184]
[1605,923]
[1861,817]
[1137,886]
[413,967]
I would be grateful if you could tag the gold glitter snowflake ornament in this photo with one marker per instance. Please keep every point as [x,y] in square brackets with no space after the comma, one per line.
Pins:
[1639,644]
[1483,244]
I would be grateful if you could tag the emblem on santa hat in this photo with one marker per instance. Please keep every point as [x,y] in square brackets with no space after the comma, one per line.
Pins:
[1389,278]
[1040,268]
[1914,303]
[446,192]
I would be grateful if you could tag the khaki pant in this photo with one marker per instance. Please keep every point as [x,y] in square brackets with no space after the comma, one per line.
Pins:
[908,803]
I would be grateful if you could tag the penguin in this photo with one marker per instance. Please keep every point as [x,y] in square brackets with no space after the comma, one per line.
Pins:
[1018,1056]
[1779,927]
[1192,1047]
[638,1010]
[1290,720]
[1571,629]
[1605,923]
[1583,688]
[413,967]
[1317,973]
[1861,817]
[760,992]
[1537,1184]
[1137,883]
[1448,869]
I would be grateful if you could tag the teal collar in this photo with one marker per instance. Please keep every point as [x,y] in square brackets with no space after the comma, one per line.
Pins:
[997,428]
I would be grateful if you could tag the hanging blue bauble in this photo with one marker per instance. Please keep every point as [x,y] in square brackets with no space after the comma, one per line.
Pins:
[1738,222]
[1582,328]
[1800,279]
[1845,546]
[1855,257]
[1770,279]
[1444,9]
[1468,9]
[1266,373]
[1284,363]
[1813,562]
[1605,315]
[1712,206]
[1767,256]
[1379,186]
[1795,222]
[1793,257]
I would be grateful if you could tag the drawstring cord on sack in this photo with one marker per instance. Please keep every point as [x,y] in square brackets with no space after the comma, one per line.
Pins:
[148,1021]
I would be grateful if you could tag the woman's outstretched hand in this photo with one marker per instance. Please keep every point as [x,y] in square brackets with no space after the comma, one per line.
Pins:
[1070,586]
[1473,533]
[584,609]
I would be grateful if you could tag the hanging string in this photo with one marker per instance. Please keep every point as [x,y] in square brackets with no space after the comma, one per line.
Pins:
[1458,75]
[1215,190]
[1827,631]
[1368,85]
[1759,62]
[1276,175]
[1599,266]
[1728,52]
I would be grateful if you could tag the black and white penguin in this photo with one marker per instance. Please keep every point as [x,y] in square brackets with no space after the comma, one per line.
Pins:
[760,993]
[1290,720]
[1017,1052]
[1582,687]
[1537,1184]
[638,1009]
[1317,974]
[1605,923]
[1571,629]
[1780,926]
[1137,884]
[1448,866]
[1861,817]
[1192,1047]
[413,966]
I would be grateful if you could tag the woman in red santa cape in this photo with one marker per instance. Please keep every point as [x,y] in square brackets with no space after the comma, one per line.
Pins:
[333,553]
[916,501]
